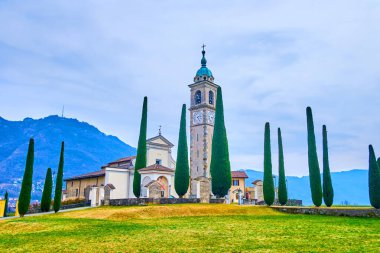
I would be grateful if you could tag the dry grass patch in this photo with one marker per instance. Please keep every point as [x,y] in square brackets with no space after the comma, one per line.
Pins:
[166,211]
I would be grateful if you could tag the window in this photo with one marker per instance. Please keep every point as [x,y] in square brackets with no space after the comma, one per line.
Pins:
[158,161]
[211,97]
[162,193]
[198,97]
[76,192]
[72,183]
[235,182]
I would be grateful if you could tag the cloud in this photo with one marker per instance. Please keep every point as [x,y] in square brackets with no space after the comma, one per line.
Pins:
[272,59]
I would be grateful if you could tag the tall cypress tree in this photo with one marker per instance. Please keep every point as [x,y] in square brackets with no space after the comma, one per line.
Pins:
[58,182]
[328,191]
[373,179]
[181,177]
[220,167]
[141,150]
[26,187]
[282,191]
[6,203]
[46,194]
[314,172]
[268,186]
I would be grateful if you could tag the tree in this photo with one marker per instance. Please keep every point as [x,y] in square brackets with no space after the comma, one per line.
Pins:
[282,191]
[314,172]
[220,167]
[46,194]
[328,191]
[26,187]
[181,177]
[58,182]
[6,203]
[141,150]
[268,186]
[373,179]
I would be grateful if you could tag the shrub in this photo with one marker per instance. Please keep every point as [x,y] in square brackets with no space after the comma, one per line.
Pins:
[58,184]
[328,191]
[314,172]
[181,177]
[141,150]
[268,186]
[26,187]
[220,168]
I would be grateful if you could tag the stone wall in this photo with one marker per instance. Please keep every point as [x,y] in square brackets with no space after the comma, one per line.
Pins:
[217,201]
[354,212]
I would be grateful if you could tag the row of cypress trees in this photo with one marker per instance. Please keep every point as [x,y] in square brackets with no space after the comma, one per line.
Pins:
[314,173]
[220,167]
[268,185]
[26,187]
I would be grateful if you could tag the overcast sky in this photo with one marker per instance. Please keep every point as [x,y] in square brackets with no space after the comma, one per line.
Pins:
[272,59]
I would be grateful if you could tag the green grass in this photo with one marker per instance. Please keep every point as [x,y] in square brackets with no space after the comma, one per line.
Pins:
[188,227]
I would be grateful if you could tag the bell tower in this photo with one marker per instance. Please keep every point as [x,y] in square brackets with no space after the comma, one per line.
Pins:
[202,115]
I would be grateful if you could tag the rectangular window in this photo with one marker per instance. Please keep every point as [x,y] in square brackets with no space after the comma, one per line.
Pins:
[235,182]
[158,161]
[76,193]
[72,183]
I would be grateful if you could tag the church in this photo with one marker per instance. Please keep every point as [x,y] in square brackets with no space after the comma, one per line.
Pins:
[157,179]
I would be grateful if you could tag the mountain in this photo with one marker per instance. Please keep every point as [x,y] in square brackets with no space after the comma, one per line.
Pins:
[350,187]
[86,149]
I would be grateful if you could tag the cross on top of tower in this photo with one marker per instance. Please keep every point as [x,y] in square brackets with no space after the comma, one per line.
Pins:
[159,129]
[203,47]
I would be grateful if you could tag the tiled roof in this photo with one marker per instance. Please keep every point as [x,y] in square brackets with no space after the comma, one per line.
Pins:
[156,167]
[98,173]
[122,161]
[238,174]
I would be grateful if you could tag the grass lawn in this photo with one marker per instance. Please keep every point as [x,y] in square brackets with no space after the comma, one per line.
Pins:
[188,227]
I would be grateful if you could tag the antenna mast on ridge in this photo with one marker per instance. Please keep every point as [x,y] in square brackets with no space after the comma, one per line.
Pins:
[63,110]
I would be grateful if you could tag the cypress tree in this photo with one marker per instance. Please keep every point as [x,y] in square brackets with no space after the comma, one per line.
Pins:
[328,191]
[181,177]
[268,186]
[141,150]
[282,191]
[220,167]
[58,182]
[46,194]
[26,187]
[373,179]
[6,203]
[314,172]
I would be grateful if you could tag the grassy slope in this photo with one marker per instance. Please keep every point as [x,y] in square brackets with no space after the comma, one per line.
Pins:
[188,228]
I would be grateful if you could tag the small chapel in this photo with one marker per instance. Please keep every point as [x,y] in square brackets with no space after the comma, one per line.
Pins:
[115,179]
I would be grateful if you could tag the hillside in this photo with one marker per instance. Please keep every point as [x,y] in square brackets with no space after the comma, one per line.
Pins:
[86,149]
[349,186]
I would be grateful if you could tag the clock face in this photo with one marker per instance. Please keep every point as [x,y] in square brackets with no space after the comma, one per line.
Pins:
[197,117]
[210,117]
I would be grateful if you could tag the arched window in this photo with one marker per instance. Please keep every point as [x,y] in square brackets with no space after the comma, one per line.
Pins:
[211,97]
[198,97]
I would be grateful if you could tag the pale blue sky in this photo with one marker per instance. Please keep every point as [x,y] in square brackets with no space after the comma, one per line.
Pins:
[272,59]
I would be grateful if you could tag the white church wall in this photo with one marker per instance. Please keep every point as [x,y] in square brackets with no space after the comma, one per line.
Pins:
[119,179]
[158,153]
